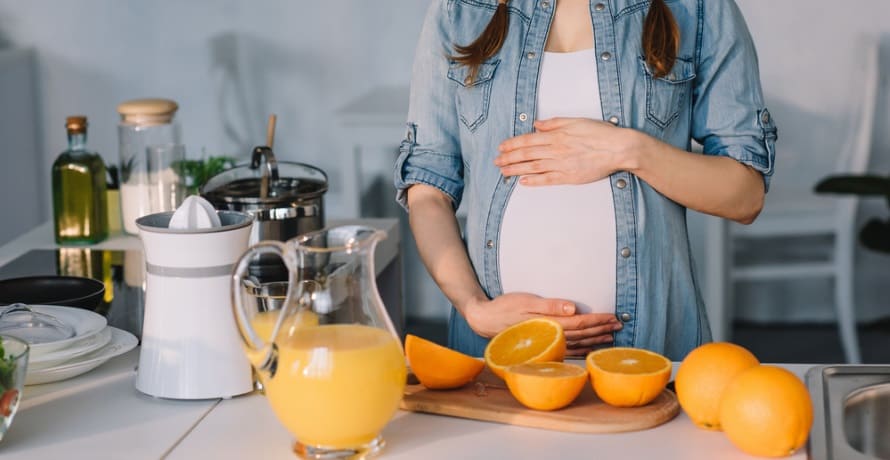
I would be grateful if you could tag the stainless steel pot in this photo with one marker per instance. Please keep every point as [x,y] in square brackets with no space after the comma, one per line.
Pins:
[285,198]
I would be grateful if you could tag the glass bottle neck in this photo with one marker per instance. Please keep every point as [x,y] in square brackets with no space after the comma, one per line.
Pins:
[77,141]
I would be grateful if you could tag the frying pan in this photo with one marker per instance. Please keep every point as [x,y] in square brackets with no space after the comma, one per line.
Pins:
[71,291]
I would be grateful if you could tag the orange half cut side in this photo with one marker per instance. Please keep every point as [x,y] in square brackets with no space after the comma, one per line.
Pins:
[532,340]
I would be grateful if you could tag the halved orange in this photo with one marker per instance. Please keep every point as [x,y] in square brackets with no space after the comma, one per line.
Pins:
[438,367]
[627,377]
[545,386]
[531,341]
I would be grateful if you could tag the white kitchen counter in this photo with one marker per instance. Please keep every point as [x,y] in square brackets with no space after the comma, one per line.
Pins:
[246,427]
[100,415]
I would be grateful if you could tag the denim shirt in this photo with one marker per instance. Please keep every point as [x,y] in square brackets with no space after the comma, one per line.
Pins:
[712,95]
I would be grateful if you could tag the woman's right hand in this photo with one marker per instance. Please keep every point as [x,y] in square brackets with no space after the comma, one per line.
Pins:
[583,332]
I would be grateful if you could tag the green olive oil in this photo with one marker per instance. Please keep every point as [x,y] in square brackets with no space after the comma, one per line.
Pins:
[79,190]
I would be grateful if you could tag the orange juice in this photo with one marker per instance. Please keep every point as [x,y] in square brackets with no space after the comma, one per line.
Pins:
[264,322]
[337,385]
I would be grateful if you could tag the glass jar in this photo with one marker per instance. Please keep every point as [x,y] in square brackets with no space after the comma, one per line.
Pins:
[144,123]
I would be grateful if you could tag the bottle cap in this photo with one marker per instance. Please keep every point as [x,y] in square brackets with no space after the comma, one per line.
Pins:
[146,112]
[76,124]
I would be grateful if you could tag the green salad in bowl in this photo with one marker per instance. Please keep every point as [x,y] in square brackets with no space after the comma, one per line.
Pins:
[13,366]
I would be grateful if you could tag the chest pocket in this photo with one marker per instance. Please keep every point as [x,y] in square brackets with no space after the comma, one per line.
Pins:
[666,96]
[473,94]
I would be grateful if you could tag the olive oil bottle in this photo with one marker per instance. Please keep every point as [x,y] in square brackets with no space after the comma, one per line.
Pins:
[79,200]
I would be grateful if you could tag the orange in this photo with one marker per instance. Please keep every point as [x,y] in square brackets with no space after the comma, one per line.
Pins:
[545,386]
[766,411]
[438,367]
[531,341]
[704,374]
[627,377]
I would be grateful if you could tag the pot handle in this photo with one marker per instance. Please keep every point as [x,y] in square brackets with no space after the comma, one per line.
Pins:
[256,160]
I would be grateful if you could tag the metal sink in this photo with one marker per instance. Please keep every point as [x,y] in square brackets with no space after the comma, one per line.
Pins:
[852,412]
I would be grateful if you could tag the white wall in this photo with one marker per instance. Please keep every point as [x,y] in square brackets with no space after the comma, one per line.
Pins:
[230,63]
[811,54]
[22,178]
[227,63]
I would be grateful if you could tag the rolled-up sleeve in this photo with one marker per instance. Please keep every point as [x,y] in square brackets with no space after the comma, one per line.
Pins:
[729,115]
[430,151]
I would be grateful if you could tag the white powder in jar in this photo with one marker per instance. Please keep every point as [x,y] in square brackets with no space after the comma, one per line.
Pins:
[145,194]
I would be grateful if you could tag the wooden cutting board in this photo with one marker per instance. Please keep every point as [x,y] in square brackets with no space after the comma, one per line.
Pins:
[488,399]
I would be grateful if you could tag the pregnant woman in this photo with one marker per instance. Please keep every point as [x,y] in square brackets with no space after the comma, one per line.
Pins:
[564,129]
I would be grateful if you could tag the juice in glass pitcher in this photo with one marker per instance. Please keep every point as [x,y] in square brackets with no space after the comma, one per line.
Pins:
[337,385]
[329,358]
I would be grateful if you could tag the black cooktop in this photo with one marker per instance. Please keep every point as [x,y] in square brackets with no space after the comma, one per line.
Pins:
[121,271]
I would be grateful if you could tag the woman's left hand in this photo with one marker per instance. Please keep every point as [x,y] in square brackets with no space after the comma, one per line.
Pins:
[566,151]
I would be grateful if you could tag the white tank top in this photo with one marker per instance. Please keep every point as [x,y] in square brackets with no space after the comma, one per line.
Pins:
[559,241]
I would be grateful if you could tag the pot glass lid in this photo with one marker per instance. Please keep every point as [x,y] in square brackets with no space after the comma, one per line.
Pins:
[244,183]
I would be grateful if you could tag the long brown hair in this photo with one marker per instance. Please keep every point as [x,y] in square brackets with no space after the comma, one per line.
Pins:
[661,39]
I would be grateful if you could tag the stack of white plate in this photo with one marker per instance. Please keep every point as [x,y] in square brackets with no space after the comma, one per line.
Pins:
[93,343]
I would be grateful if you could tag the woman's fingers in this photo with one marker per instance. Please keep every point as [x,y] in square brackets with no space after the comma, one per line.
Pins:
[549,178]
[528,140]
[590,341]
[581,334]
[528,167]
[526,154]
[589,320]
[550,307]
[567,123]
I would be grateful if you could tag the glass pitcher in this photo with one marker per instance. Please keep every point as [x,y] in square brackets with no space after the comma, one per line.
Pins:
[329,359]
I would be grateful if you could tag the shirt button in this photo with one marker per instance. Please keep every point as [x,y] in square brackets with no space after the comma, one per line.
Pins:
[599,7]
[489,244]
[523,116]
[545,4]
[606,56]
[765,117]
[468,81]
[625,317]
[625,252]
[621,183]
[614,120]
[531,55]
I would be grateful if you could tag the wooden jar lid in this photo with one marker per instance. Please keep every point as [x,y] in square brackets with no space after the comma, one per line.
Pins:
[147,111]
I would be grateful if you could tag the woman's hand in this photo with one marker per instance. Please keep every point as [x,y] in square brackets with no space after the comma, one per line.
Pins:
[566,151]
[581,150]
[583,331]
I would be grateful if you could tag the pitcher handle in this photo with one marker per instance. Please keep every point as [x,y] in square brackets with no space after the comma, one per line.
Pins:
[260,353]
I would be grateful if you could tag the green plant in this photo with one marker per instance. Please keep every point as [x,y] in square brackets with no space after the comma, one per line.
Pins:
[7,368]
[196,173]
[112,177]
[8,393]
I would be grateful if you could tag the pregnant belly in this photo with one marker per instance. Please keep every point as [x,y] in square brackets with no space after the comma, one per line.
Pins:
[559,242]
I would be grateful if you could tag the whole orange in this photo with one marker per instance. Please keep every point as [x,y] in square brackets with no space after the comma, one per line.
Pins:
[767,411]
[703,376]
